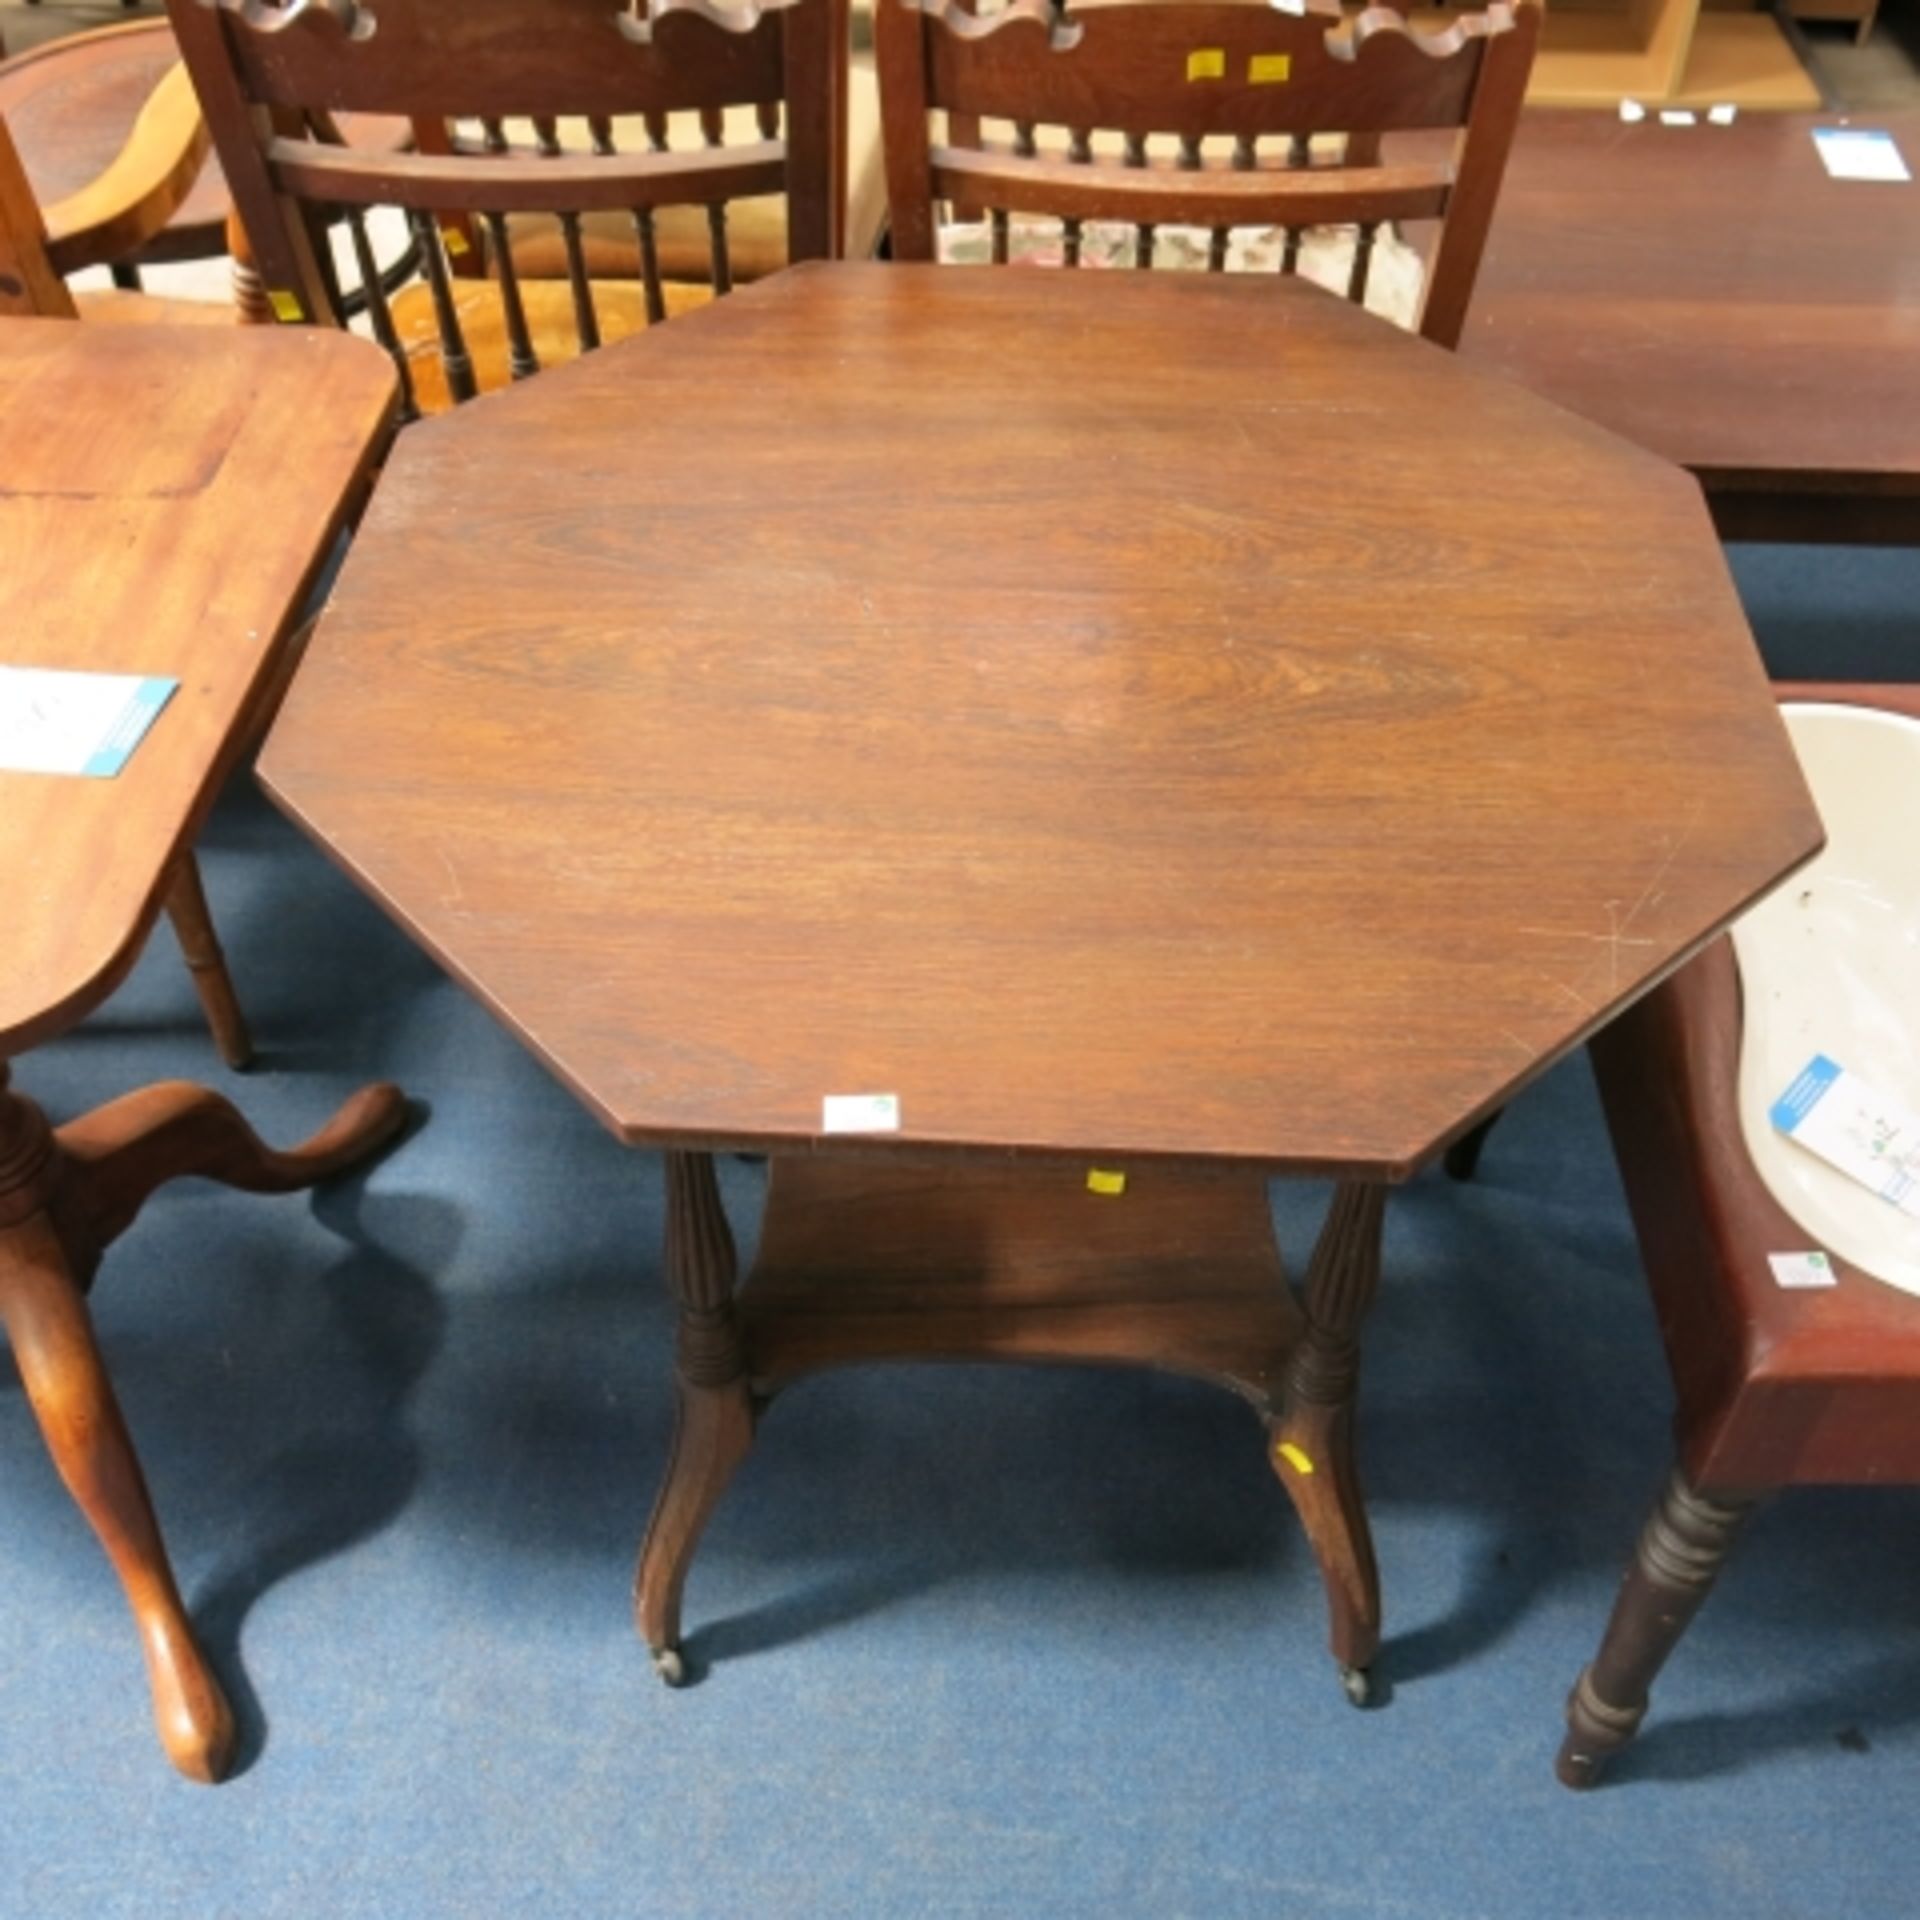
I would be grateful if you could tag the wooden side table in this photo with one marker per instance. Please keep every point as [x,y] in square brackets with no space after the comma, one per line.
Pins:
[1074,707]
[170,493]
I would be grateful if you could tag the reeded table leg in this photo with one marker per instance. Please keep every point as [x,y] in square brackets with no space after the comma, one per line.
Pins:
[1682,1548]
[1313,1433]
[714,1423]
[64,1197]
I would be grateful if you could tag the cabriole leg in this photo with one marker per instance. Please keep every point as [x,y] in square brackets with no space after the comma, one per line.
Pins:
[714,1423]
[52,1336]
[1313,1450]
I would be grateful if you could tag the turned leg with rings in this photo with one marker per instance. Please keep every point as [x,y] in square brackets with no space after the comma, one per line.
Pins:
[186,904]
[65,1195]
[1682,1548]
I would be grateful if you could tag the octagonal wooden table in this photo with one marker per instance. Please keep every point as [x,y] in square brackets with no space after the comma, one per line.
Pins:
[1159,731]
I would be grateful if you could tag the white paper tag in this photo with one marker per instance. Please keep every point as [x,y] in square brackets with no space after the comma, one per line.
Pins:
[860,1113]
[1802,1270]
[1677,117]
[1851,153]
[1867,1134]
[58,721]
[1632,110]
[1723,115]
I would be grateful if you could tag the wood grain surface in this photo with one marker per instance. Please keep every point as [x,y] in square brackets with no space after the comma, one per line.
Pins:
[1711,294]
[1146,714]
[165,496]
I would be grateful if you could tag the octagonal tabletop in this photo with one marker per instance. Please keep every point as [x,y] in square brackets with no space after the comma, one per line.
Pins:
[1117,714]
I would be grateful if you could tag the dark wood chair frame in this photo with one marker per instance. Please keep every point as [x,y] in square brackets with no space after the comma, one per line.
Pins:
[272,79]
[1229,71]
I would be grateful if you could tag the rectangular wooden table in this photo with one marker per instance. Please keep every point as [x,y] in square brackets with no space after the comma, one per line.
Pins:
[1712,294]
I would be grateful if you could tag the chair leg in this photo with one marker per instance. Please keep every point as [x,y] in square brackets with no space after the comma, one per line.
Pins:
[1463,1157]
[52,1335]
[251,307]
[186,903]
[1682,1549]
[714,1425]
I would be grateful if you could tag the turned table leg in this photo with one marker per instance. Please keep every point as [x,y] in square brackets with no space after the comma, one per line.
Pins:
[65,1195]
[714,1420]
[1313,1433]
[186,903]
[1682,1548]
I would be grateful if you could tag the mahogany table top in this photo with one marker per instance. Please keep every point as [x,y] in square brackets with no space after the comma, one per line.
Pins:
[165,495]
[1116,714]
[1712,294]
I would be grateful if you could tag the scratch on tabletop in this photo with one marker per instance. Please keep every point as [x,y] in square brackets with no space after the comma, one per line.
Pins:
[1612,940]
[456,896]
[1619,931]
[1579,999]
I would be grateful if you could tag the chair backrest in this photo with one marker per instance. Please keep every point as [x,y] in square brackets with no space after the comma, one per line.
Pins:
[107,219]
[1029,94]
[486,84]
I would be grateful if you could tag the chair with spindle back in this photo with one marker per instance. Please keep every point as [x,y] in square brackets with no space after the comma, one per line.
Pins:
[487,85]
[142,188]
[1153,113]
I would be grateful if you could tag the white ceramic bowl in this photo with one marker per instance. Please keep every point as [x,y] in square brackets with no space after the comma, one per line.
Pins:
[1830,963]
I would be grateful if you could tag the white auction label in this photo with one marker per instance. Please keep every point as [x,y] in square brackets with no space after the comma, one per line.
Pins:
[1802,1270]
[860,1113]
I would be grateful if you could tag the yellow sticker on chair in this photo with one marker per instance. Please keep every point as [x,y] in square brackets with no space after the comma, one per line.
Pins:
[1297,1458]
[456,241]
[1207,63]
[286,306]
[1099,1180]
[1269,69]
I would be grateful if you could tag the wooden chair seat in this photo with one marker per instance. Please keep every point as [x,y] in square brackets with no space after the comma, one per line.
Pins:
[109,306]
[620,305]
[1776,1386]
[756,228]
[70,103]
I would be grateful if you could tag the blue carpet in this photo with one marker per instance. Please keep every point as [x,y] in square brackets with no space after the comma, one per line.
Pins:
[979,1641]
